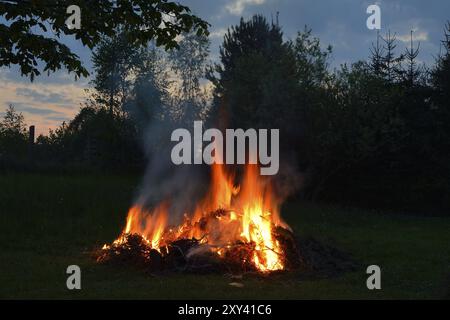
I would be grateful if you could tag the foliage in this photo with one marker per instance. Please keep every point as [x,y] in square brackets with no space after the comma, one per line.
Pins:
[33,29]
[114,62]
[255,75]
[150,88]
[13,136]
[190,64]
[93,138]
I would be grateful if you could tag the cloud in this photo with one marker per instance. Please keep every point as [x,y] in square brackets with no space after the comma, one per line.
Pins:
[43,105]
[236,7]
[58,119]
[25,107]
[417,36]
[44,96]
[61,77]
[218,34]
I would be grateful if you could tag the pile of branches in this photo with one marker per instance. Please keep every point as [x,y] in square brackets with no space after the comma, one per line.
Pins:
[318,259]
[190,255]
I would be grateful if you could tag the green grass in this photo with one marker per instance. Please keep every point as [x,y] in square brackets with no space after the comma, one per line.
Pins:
[50,222]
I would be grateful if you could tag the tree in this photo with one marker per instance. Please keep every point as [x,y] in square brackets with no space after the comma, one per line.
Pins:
[13,122]
[311,60]
[390,67]
[94,139]
[412,72]
[313,82]
[440,80]
[24,40]
[150,91]
[376,57]
[13,134]
[190,63]
[253,82]
[440,75]
[114,62]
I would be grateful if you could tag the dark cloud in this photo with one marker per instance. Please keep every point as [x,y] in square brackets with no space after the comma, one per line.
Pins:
[61,77]
[43,96]
[339,23]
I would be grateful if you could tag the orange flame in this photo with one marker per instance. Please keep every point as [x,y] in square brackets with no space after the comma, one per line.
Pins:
[252,212]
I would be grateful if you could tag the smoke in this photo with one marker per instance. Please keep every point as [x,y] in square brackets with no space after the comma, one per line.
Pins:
[167,95]
[180,185]
[157,113]
[288,180]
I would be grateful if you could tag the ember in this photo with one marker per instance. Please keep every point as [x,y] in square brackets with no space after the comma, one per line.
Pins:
[233,227]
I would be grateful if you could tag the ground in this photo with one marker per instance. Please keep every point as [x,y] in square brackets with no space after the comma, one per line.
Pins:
[49,222]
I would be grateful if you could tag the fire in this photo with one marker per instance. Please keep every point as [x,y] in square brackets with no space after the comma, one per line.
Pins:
[245,213]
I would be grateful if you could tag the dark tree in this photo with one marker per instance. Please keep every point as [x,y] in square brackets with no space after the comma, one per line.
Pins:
[440,79]
[13,135]
[256,73]
[440,75]
[390,67]
[24,40]
[376,58]
[150,88]
[412,72]
[190,63]
[114,61]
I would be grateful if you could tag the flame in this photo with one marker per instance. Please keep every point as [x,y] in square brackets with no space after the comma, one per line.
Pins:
[150,225]
[248,212]
[258,219]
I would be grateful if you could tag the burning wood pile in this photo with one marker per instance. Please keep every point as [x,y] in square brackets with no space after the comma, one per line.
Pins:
[234,228]
[197,255]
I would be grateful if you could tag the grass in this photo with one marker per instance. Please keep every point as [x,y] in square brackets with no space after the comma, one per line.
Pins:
[50,222]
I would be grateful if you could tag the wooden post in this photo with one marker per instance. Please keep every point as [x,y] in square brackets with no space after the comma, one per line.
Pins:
[31,143]
[31,135]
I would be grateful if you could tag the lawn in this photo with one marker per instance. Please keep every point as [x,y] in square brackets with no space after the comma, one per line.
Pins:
[49,222]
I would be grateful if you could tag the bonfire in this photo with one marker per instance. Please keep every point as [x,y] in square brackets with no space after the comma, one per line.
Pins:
[235,227]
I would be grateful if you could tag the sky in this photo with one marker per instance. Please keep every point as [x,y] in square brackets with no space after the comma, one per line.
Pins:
[50,100]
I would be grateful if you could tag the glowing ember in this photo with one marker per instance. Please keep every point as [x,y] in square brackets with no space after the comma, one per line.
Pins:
[248,213]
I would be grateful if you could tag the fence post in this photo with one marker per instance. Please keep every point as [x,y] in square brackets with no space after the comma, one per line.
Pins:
[31,143]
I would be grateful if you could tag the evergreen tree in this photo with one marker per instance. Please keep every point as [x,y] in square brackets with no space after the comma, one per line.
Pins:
[376,57]
[255,75]
[440,75]
[440,79]
[390,67]
[412,72]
